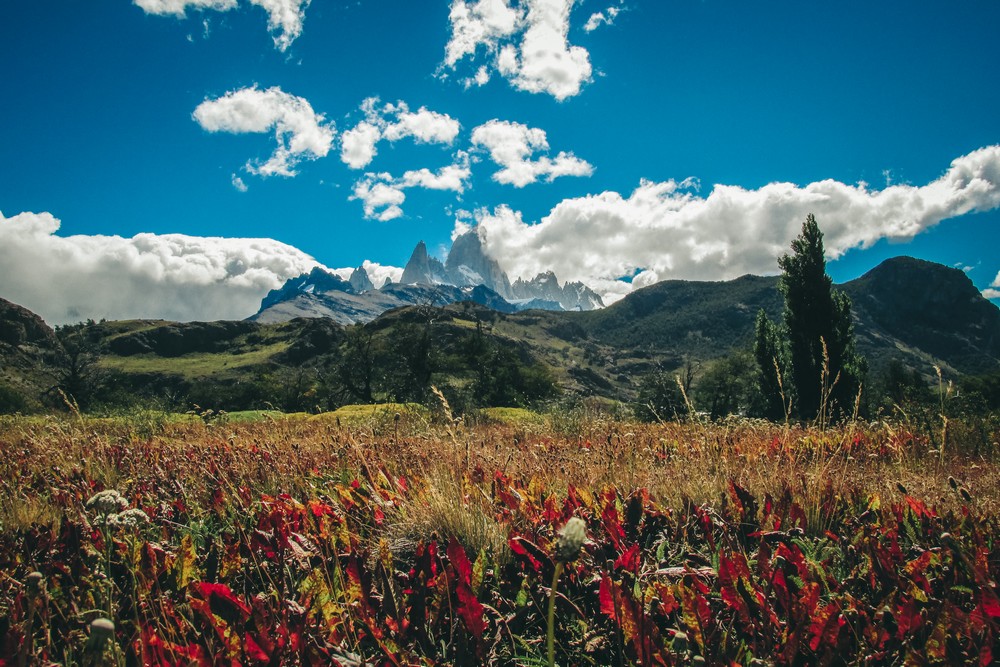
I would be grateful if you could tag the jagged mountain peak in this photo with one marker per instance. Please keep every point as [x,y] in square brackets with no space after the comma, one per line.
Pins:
[571,296]
[317,281]
[422,268]
[323,294]
[360,280]
[469,265]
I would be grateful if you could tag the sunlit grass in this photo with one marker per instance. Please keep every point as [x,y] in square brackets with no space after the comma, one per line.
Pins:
[196,365]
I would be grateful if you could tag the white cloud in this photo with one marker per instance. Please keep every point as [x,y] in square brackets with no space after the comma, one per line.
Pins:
[239,184]
[481,78]
[453,177]
[284,17]
[300,132]
[991,292]
[383,196]
[173,276]
[426,127]
[548,63]
[377,273]
[542,61]
[393,122]
[479,23]
[511,146]
[597,19]
[179,7]
[674,232]
[357,145]
[645,279]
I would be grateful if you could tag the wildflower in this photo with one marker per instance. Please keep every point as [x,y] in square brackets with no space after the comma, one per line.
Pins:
[568,546]
[102,628]
[35,580]
[130,519]
[107,502]
[571,539]
[102,631]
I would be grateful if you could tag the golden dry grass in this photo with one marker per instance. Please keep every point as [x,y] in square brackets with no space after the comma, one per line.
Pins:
[675,462]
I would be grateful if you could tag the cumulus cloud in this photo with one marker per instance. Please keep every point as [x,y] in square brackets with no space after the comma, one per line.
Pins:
[284,17]
[425,127]
[300,132]
[511,146]
[382,195]
[669,229]
[377,273]
[479,23]
[173,276]
[357,145]
[239,184]
[393,122]
[597,19]
[526,41]
[991,292]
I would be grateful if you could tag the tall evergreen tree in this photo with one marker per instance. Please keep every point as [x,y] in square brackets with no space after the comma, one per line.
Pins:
[769,353]
[816,314]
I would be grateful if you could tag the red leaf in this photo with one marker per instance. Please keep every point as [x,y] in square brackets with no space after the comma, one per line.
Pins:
[469,608]
[612,523]
[458,558]
[908,618]
[919,508]
[989,604]
[825,628]
[630,560]
[607,599]
[731,571]
[529,550]
[471,611]
[254,651]
[222,600]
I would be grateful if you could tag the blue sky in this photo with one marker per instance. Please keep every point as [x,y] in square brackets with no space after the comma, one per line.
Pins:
[124,119]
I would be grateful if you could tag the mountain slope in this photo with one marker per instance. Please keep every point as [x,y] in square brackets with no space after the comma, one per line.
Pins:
[920,313]
[27,345]
[925,311]
[700,319]
[916,311]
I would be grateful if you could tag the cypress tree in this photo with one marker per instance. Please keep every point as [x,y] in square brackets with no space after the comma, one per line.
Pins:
[768,351]
[816,314]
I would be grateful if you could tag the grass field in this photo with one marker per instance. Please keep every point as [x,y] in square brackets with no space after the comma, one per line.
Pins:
[396,537]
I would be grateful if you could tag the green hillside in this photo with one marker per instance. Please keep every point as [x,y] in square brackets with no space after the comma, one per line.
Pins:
[908,311]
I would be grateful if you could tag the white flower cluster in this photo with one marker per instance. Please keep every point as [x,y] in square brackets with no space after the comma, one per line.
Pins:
[107,502]
[131,519]
[113,508]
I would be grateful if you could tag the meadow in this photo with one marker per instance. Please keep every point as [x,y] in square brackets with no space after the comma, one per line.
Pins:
[391,535]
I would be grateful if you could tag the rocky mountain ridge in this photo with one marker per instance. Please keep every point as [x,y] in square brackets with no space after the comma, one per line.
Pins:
[469,273]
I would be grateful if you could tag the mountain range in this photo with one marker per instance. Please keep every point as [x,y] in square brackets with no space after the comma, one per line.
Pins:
[916,312]
[468,274]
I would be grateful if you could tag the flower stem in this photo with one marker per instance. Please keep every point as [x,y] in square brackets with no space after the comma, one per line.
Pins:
[552,614]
